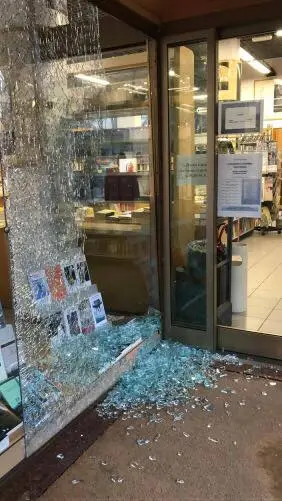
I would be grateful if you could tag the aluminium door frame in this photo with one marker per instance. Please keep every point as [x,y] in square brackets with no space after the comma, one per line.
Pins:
[203,339]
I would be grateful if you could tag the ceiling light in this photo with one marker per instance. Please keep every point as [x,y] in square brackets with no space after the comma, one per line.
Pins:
[254,63]
[245,55]
[92,79]
[173,74]
[262,38]
[201,97]
[260,67]
[279,33]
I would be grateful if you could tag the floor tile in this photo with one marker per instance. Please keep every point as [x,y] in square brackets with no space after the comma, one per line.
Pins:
[246,323]
[275,315]
[279,305]
[271,327]
[258,311]
[265,294]
[263,302]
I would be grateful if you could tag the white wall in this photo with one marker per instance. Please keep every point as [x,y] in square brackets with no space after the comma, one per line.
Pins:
[263,89]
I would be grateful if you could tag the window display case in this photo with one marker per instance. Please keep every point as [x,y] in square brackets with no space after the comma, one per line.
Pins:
[80,214]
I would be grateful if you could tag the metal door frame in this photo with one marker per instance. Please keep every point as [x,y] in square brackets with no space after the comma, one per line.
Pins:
[199,338]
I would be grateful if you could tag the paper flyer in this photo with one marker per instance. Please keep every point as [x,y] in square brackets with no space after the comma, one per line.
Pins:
[56,282]
[86,317]
[82,273]
[98,309]
[39,286]
[72,321]
[70,277]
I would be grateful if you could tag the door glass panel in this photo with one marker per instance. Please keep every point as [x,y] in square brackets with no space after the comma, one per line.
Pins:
[187,100]
[249,224]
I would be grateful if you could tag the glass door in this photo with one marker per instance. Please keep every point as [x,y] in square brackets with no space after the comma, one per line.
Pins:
[249,223]
[188,198]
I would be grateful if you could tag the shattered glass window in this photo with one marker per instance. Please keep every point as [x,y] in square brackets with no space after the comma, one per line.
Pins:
[75,144]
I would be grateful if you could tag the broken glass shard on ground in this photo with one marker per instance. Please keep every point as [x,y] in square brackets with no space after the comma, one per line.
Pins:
[164,378]
[142,441]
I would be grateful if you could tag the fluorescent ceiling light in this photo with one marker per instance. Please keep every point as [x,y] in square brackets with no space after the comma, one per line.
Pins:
[245,55]
[256,65]
[262,38]
[201,97]
[92,78]
[260,67]
[279,33]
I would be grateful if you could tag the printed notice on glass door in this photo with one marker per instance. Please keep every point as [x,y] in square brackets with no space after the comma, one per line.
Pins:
[191,169]
[239,185]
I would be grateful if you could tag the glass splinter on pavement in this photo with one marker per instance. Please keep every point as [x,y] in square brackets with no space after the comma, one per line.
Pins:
[163,379]
[117,480]
[213,440]
[143,441]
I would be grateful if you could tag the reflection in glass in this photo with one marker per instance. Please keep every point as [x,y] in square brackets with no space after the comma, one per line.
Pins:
[187,79]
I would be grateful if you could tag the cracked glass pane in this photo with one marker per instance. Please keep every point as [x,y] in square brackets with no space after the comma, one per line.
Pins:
[75,137]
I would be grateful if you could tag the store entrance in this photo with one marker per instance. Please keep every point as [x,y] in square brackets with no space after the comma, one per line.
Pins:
[249,206]
[188,104]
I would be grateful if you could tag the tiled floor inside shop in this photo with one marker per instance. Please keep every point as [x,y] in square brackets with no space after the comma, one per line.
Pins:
[264,310]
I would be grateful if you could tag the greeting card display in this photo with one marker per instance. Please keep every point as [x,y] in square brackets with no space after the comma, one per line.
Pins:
[72,321]
[86,317]
[56,282]
[39,286]
[70,277]
[98,309]
[82,273]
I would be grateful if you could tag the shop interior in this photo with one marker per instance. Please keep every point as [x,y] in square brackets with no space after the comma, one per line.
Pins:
[250,69]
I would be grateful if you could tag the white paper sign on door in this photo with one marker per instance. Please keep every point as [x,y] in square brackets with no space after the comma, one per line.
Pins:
[239,185]
[237,117]
[191,169]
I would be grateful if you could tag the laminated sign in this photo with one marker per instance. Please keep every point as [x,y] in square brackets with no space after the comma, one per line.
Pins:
[239,185]
[191,169]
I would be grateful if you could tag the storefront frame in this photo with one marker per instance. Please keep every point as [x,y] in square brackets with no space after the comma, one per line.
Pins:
[215,338]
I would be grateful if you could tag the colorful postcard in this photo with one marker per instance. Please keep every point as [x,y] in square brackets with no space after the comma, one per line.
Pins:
[86,317]
[69,271]
[73,322]
[98,309]
[56,282]
[57,329]
[39,286]
[82,273]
